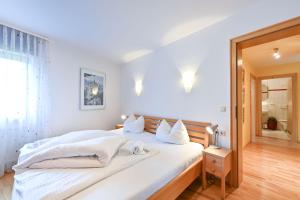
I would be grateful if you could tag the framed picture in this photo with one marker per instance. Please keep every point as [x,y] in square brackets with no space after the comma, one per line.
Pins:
[92,91]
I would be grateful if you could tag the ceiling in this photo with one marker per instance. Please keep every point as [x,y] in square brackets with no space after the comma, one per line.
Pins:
[120,30]
[261,55]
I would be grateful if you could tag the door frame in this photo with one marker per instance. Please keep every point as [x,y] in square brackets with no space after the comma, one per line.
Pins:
[293,76]
[275,32]
[253,78]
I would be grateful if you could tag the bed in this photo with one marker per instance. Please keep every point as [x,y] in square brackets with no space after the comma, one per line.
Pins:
[162,176]
[198,134]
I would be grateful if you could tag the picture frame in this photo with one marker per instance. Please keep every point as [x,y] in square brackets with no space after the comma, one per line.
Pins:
[92,89]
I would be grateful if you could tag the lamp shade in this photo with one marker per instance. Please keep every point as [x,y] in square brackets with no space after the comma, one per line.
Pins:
[123,117]
[212,129]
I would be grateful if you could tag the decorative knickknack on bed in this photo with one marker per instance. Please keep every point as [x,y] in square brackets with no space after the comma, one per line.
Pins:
[92,90]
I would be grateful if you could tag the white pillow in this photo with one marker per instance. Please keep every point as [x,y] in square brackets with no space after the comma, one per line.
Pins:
[131,118]
[163,131]
[175,135]
[134,125]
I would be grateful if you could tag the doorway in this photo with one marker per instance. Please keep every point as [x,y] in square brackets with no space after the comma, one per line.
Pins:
[279,31]
[274,109]
[277,108]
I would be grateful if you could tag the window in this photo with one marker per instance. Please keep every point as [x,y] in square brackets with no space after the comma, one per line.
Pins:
[23,92]
[13,88]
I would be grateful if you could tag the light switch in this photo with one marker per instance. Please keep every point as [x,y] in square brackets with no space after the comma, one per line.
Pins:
[223,109]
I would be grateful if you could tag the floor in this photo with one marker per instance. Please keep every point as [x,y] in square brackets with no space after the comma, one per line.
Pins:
[276,134]
[276,142]
[271,171]
[6,183]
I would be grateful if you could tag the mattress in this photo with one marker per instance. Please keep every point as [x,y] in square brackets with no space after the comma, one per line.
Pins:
[146,177]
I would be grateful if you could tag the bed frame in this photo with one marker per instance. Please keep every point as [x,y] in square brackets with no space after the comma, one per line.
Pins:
[197,133]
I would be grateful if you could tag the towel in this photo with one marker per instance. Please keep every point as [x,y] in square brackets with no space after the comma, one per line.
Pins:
[132,147]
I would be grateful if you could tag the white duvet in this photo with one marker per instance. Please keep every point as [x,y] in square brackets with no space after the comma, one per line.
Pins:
[73,144]
[102,149]
[144,178]
[55,161]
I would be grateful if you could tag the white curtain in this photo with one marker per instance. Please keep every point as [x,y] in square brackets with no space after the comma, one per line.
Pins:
[23,93]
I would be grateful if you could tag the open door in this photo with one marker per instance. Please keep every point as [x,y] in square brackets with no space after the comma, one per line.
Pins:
[253,107]
[290,108]
[275,32]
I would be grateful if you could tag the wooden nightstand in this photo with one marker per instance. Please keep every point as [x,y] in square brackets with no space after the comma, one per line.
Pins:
[119,126]
[218,163]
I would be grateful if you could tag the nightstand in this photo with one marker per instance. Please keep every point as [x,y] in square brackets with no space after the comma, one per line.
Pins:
[218,163]
[119,126]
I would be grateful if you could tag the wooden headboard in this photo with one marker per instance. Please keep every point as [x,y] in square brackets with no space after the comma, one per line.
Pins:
[196,130]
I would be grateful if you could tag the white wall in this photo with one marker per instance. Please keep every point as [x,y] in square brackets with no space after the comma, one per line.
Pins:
[64,85]
[209,52]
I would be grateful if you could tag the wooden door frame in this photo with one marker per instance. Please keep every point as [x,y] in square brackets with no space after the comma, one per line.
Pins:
[258,108]
[275,32]
[293,76]
[253,77]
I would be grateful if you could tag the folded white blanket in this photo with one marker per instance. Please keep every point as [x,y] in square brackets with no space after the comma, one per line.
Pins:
[132,147]
[101,146]
[58,184]
[53,160]
[75,136]
[68,163]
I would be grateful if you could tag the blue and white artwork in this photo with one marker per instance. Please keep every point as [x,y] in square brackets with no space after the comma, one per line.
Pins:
[92,90]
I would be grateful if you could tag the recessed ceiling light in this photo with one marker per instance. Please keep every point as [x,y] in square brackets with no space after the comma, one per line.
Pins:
[276,54]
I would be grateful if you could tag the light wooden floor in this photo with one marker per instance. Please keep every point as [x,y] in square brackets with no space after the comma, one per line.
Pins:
[6,183]
[270,172]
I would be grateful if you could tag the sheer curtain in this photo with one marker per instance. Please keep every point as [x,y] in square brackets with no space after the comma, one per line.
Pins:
[23,92]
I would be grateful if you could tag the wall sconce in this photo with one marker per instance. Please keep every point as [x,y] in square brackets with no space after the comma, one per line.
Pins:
[138,87]
[188,79]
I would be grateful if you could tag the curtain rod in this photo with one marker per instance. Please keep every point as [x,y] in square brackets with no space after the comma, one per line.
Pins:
[22,30]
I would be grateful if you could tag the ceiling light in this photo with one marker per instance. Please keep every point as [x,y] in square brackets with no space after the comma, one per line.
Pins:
[276,54]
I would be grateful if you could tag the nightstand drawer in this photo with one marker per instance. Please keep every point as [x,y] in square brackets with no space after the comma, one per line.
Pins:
[214,170]
[213,165]
[212,160]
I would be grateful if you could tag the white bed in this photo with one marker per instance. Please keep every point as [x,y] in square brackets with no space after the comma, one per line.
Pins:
[148,176]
